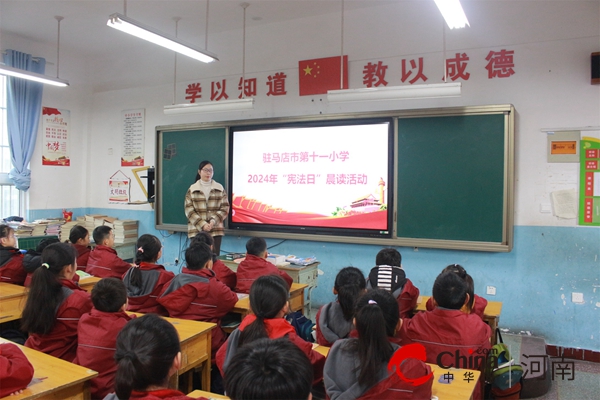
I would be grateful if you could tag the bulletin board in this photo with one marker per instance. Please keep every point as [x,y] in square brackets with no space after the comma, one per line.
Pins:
[454,176]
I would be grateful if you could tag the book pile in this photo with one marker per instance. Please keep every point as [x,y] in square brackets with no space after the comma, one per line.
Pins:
[90,221]
[300,260]
[23,229]
[125,230]
[53,227]
[65,229]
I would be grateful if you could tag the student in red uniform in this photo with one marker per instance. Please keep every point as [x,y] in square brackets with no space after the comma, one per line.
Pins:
[334,320]
[147,280]
[80,238]
[389,275]
[357,368]
[223,272]
[11,259]
[55,304]
[269,369]
[476,303]
[197,294]
[148,354]
[33,259]
[255,264]
[15,370]
[97,334]
[269,303]
[451,338]
[104,261]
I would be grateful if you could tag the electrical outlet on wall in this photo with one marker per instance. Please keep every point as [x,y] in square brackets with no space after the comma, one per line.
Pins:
[577,298]
[491,290]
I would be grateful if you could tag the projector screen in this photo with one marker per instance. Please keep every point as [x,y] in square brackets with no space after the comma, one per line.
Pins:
[330,177]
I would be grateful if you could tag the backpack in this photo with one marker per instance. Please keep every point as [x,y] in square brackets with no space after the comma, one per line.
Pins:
[503,372]
[302,325]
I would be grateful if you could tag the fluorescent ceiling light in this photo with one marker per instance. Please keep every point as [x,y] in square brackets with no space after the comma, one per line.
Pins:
[142,31]
[453,13]
[31,76]
[210,106]
[395,92]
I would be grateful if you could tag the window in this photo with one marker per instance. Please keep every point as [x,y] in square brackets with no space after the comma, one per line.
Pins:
[10,197]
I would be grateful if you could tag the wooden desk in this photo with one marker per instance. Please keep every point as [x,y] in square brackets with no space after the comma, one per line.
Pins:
[201,393]
[307,274]
[88,283]
[54,378]
[296,300]
[12,301]
[491,314]
[195,338]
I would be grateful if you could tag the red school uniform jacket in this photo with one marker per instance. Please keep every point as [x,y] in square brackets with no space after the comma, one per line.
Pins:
[450,337]
[11,266]
[105,263]
[154,281]
[225,274]
[83,254]
[61,342]
[276,328]
[97,341]
[253,267]
[200,296]
[15,369]
[479,306]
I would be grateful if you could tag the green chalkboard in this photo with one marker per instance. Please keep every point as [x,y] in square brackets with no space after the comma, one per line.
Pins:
[451,178]
[178,154]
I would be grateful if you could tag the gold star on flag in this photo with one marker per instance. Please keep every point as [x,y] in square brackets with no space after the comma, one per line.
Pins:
[307,70]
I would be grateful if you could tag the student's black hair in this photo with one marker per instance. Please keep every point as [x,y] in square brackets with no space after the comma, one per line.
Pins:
[376,317]
[256,246]
[5,231]
[268,295]
[204,237]
[462,272]
[197,255]
[100,233]
[33,258]
[389,256]
[77,232]
[202,165]
[146,348]
[147,249]
[449,290]
[349,284]
[109,295]
[45,292]
[45,243]
[269,370]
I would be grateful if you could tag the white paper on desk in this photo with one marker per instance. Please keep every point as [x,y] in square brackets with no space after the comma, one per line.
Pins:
[565,203]
[241,295]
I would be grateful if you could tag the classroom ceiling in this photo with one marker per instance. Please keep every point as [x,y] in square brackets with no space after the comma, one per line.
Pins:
[84,26]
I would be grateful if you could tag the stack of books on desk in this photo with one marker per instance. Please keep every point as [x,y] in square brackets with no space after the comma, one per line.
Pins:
[90,221]
[125,230]
[301,260]
[53,227]
[65,229]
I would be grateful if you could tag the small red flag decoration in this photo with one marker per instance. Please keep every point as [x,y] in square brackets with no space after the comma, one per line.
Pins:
[319,75]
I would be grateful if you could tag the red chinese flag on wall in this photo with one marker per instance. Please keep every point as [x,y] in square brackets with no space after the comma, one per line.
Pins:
[319,75]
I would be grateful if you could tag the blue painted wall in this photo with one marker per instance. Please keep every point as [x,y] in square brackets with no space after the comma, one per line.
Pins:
[534,281]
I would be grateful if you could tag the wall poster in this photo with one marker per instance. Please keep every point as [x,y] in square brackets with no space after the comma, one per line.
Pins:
[55,140]
[132,154]
[589,182]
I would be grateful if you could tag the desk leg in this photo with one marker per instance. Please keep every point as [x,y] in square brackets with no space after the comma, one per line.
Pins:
[206,366]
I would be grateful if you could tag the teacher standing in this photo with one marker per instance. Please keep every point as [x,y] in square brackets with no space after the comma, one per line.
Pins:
[206,206]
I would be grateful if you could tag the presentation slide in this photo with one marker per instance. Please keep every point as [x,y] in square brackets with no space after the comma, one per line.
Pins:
[325,176]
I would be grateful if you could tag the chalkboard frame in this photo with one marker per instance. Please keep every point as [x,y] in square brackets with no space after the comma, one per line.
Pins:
[504,244]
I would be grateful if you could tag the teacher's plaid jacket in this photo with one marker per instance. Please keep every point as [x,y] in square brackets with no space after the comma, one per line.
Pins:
[200,211]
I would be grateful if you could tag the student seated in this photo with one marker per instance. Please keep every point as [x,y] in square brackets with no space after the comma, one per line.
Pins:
[11,259]
[15,370]
[389,275]
[147,280]
[269,370]
[197,294]
[33,260]
[357,368]
[334,320]
[55,304]
[148,353]
[223,272]
[269,303]
[80,238]
[476,303]
[450,337]
[104,261]
[97,334]
[255,264]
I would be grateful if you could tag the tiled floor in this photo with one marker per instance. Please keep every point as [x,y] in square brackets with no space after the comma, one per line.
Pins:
[585,383]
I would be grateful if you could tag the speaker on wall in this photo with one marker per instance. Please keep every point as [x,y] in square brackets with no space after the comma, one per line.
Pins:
[596,68]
